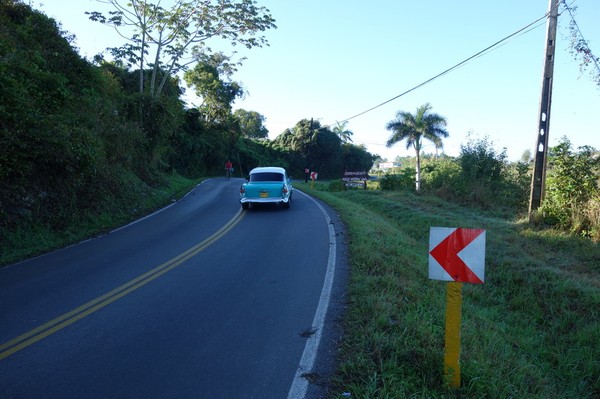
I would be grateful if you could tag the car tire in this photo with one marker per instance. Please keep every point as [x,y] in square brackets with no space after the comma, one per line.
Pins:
[245,205]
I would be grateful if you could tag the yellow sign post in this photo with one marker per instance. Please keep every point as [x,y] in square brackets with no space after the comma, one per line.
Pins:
[456,255]
[453,322]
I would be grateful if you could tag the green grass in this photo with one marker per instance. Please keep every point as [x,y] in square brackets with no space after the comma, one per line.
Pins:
[531,331]
[31,237]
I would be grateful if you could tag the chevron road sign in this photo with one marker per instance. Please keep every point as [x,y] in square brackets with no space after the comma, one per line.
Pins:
[457,254]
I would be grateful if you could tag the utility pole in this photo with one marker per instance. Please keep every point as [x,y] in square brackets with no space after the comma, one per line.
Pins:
[538,179]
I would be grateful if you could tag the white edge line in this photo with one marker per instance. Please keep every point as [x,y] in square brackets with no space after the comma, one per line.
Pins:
[300,384]
[158,211]
[110,232]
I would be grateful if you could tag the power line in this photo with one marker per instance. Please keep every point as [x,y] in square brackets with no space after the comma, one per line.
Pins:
[527,27]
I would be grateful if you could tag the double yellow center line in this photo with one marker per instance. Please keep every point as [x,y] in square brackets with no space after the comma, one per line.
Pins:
[49,328]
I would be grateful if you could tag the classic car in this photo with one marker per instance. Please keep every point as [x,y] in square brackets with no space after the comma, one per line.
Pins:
[267,185]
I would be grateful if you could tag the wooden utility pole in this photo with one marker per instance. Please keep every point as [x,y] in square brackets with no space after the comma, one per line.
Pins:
[541,150]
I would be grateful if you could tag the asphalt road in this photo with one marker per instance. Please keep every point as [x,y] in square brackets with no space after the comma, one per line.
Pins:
[198,300]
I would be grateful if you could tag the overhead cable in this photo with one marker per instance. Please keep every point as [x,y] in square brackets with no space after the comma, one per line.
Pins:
[451,68]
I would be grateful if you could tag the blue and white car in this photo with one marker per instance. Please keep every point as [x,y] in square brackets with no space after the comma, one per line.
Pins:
[267,185]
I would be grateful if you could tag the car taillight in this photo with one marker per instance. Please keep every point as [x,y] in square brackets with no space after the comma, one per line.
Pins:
[242,190]
[284,190]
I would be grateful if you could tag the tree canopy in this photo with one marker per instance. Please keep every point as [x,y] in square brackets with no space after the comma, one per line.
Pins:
[320,149]
[171,39]
[342,131]
[211,81]
[251,124]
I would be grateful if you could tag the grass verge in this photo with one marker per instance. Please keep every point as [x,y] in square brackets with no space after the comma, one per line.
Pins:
[31,237]
[531,331]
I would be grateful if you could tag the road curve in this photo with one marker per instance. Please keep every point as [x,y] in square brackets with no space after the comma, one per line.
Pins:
[198,300]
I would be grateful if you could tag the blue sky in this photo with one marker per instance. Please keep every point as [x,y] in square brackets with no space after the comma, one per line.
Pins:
[332,59]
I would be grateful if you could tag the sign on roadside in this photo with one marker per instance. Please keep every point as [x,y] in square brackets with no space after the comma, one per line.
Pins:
[355,179]
[457,254]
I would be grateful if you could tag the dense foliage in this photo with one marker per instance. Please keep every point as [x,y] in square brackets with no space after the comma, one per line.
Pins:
[53,106]
[78,137]
[319,149]
[479,176]
[572,200]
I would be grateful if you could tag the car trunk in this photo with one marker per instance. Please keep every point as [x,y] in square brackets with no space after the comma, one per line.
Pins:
[264,190]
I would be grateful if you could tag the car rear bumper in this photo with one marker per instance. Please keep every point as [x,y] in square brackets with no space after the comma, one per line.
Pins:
[279,200]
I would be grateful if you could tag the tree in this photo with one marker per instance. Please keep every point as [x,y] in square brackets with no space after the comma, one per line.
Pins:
[414,128]
[302,141]
[325,153]
[343,133]
[356,158]
[251,124]
[210,78]
[312,146]
[169,35]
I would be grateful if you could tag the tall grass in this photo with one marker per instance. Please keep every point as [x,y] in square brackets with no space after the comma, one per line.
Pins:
[531,331]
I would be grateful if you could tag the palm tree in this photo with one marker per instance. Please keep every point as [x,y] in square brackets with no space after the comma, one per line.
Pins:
[343,133]
[413,128]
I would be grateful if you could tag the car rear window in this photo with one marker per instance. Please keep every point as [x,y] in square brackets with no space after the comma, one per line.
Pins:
[266,176]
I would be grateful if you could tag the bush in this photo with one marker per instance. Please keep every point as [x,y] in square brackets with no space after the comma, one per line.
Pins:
[336,185]
[405,180]
[488,180]
[444,179]
[572,192]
